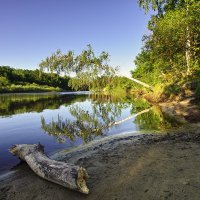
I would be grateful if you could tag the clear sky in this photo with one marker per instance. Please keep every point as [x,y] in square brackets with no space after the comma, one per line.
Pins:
[30,30]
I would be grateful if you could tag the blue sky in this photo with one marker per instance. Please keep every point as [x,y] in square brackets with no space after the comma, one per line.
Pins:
[30,30]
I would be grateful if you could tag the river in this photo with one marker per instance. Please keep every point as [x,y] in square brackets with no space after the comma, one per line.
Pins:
[65,120]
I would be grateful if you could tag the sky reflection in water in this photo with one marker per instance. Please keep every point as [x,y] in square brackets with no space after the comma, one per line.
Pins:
[69,119]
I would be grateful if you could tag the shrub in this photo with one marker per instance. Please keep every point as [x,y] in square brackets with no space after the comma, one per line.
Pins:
[3,81]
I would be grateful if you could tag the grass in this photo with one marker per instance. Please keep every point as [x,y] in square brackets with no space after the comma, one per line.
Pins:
[28,88]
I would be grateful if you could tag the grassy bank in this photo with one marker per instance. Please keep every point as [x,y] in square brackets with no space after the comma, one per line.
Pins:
[23,80]
[28,88]
[163,92]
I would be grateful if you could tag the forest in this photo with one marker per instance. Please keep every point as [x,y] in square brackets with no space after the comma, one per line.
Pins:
[117,137]
[170,56]
[24,80]
[168,61]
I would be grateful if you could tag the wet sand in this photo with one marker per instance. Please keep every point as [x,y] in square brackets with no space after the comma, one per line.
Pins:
[121,167]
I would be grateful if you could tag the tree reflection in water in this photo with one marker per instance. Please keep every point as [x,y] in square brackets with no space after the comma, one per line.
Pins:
[96,121]
[13,104]
[87,125]
[155,120]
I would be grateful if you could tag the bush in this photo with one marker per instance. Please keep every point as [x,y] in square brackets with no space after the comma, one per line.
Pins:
[3,81]
[172,90]
[28,88]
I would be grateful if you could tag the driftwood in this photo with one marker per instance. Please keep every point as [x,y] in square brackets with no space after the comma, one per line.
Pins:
[65,174]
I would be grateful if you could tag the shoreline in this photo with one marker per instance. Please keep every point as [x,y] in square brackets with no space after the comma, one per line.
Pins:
[60,154]
[185,111]
[117,166]
[146,166]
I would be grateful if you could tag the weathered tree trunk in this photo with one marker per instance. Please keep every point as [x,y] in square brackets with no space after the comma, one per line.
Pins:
[65,174]
[139,82]
[188,46]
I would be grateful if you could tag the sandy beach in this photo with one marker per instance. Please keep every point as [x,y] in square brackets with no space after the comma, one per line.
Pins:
[121,167]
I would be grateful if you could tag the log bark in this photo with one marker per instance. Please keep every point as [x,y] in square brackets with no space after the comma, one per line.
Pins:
[139,82]
[65,174]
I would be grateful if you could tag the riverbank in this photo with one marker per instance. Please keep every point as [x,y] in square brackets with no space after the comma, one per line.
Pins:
[122,167]
[29,88]
[185,110]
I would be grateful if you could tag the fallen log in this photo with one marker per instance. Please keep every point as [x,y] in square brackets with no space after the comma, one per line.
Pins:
[139,82]
[142,83]
[65,174]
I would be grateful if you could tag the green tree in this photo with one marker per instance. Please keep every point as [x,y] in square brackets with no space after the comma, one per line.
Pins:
[25,77]
[90,70]
[171,52]
[3,81]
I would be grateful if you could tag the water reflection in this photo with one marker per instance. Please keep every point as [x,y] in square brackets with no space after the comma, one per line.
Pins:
[87,124]
[102,114]
[12,104]
[155,120]
[71,119]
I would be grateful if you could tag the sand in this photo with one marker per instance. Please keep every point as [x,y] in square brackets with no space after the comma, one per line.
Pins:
[121,167]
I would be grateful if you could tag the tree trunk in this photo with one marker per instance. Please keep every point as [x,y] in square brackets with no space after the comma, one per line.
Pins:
[188,47]
[187,52]
[142,83]
[65,174]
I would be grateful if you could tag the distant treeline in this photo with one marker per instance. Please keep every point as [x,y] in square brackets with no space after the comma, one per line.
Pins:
[23,80]
[23,77]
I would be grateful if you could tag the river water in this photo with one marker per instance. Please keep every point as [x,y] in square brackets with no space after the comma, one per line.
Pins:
[65,120]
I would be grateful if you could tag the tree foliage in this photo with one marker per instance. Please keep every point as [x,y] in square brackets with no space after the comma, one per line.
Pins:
[91,71]
[171,52]
[11,76]
[3,81]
